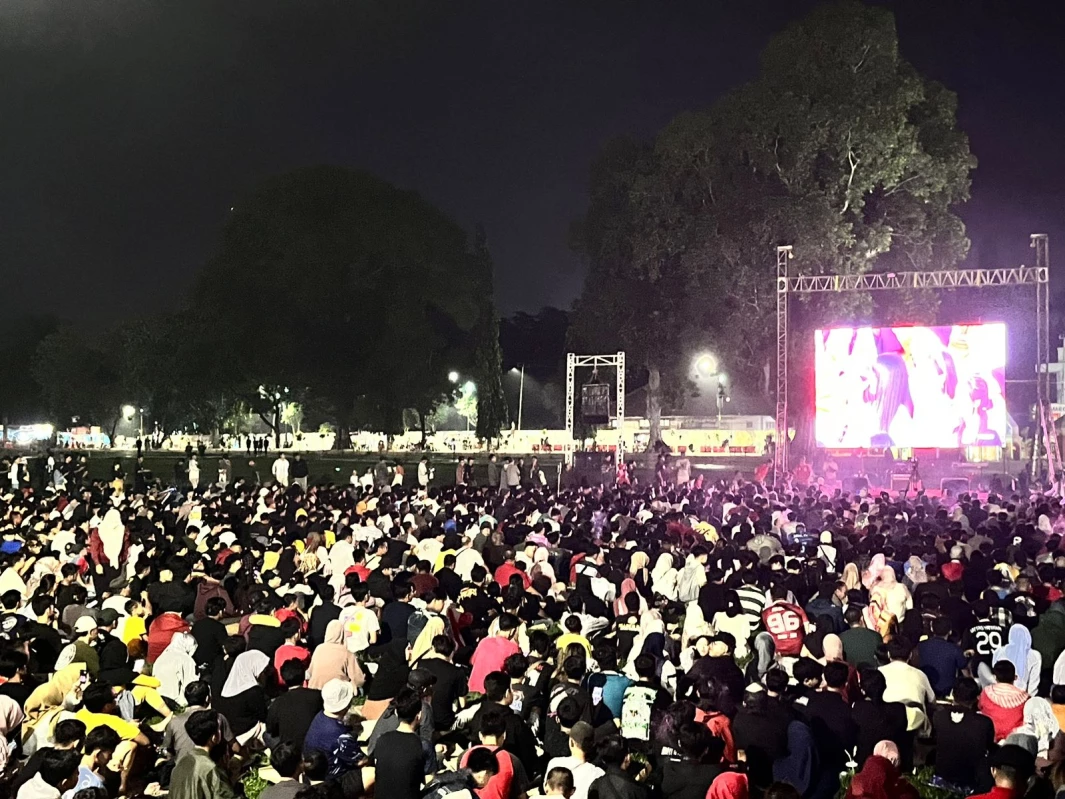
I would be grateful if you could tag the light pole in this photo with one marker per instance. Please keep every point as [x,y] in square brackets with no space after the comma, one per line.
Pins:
[722,396]
[521,394]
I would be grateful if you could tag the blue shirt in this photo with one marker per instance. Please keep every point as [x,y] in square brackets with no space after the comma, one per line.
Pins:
[941,661]
[323,736]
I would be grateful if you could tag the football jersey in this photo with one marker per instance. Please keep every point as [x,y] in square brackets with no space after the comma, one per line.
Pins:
[984,638]
[786,623]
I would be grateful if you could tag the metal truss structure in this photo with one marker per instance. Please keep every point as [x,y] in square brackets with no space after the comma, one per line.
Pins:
[574,362]
[1037,275]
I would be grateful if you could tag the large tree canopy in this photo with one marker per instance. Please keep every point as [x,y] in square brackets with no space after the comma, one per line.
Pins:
[839,148]
[333,280]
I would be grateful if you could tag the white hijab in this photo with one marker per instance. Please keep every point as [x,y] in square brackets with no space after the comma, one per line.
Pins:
[245,672]
[112,533]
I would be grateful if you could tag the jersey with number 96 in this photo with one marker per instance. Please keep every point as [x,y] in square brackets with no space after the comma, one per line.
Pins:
[787,624]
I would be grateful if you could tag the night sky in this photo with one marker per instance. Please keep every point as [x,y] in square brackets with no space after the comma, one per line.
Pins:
[130,128]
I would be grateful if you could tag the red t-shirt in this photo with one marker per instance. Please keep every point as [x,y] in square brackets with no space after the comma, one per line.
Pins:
[498,786]
[287,652]
[488,657]
[504,572]
[786,623]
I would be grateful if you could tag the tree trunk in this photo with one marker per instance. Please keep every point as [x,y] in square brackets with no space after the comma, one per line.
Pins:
[654,406]
[421,420]
[342,438]
[277,425]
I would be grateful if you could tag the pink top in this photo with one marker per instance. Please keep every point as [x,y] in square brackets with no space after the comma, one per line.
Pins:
[489,657]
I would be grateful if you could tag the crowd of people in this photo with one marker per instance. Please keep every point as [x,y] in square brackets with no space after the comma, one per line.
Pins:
[706,641]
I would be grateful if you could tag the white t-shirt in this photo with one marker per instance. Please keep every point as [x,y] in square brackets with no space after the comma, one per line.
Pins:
[584,774]
[360,622]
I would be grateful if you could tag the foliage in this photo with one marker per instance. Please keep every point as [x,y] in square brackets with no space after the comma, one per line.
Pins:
[491,411]
[839,147]
[364,286]
[20,396]
[921,779]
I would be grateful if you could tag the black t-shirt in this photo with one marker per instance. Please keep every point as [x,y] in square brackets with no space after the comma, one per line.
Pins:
[291,714]
[829,717]
[882,721]
[963,737]
[477,603]
[984,638]
[450,687]
[764,738]
[400,765]
[210,635]
[624,631]
[682,779]
[394,618]
[450,582]
[320,618]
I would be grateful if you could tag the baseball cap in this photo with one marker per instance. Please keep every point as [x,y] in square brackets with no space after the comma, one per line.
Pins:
[336,696]
[1013,756]
[84,624]
[108,616]
[582,734]
[421,679]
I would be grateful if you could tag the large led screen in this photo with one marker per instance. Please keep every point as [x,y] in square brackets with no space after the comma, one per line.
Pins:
[911,386]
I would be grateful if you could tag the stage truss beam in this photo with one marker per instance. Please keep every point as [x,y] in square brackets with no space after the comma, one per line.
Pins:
[575,362]
[1037,275]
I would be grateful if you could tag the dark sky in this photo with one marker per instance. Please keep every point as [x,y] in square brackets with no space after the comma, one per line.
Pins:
[130,128]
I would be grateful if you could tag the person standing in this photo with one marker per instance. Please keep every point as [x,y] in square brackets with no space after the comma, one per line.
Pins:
[493,471]
[425,473]
[280,470]
[194,472]
[300,471]
[225,469]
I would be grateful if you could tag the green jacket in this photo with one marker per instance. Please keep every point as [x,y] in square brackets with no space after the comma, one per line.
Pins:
[1048,637]
[196,776]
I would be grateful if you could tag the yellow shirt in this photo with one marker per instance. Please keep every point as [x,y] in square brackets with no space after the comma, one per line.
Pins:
[573,638]
[132,629]
[126,730]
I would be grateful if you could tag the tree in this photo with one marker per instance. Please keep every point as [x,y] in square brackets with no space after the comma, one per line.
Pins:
[80,381]
[491,414]
[20,396]
[839,147]
[335,280]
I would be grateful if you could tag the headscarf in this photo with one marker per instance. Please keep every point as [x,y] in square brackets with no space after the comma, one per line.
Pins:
[245,672]
[11,716]
[833,647]
[638,562]
[541,566]
[51,694]
[879,779]
[112,535]
[175,667]
[628,586]
[874,570]
[423,644]
[1017,651]
[1040,722]
[888,750]
[915,570]
[334,632]
[729,785]
[799,766]
[664,577]
[851,579]
[694,624]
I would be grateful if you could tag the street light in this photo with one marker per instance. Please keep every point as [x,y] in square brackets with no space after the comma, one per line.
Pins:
[705,364]
[128,411]
[521,392]
[453,377]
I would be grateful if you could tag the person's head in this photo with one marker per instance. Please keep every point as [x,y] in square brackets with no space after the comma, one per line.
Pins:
[1004,672]
[941,627]
[559,782]
[646,667]
[836,675]
[853,616]
[613,751]
[693,740]
[203,729]
[493,726]
[287,759]
[59,768]
[582,740]
[68,734]
[408,704]
[215,607]
[293,672]
[808,672]
[497,687]
[874,684]
[290,629]
[198,694]
[1012,766]
[573,624]
[776,681]
[966,692]
[13,664]
[483,765]
[99,698]
[1057,695]
[100,744]
[899,648]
